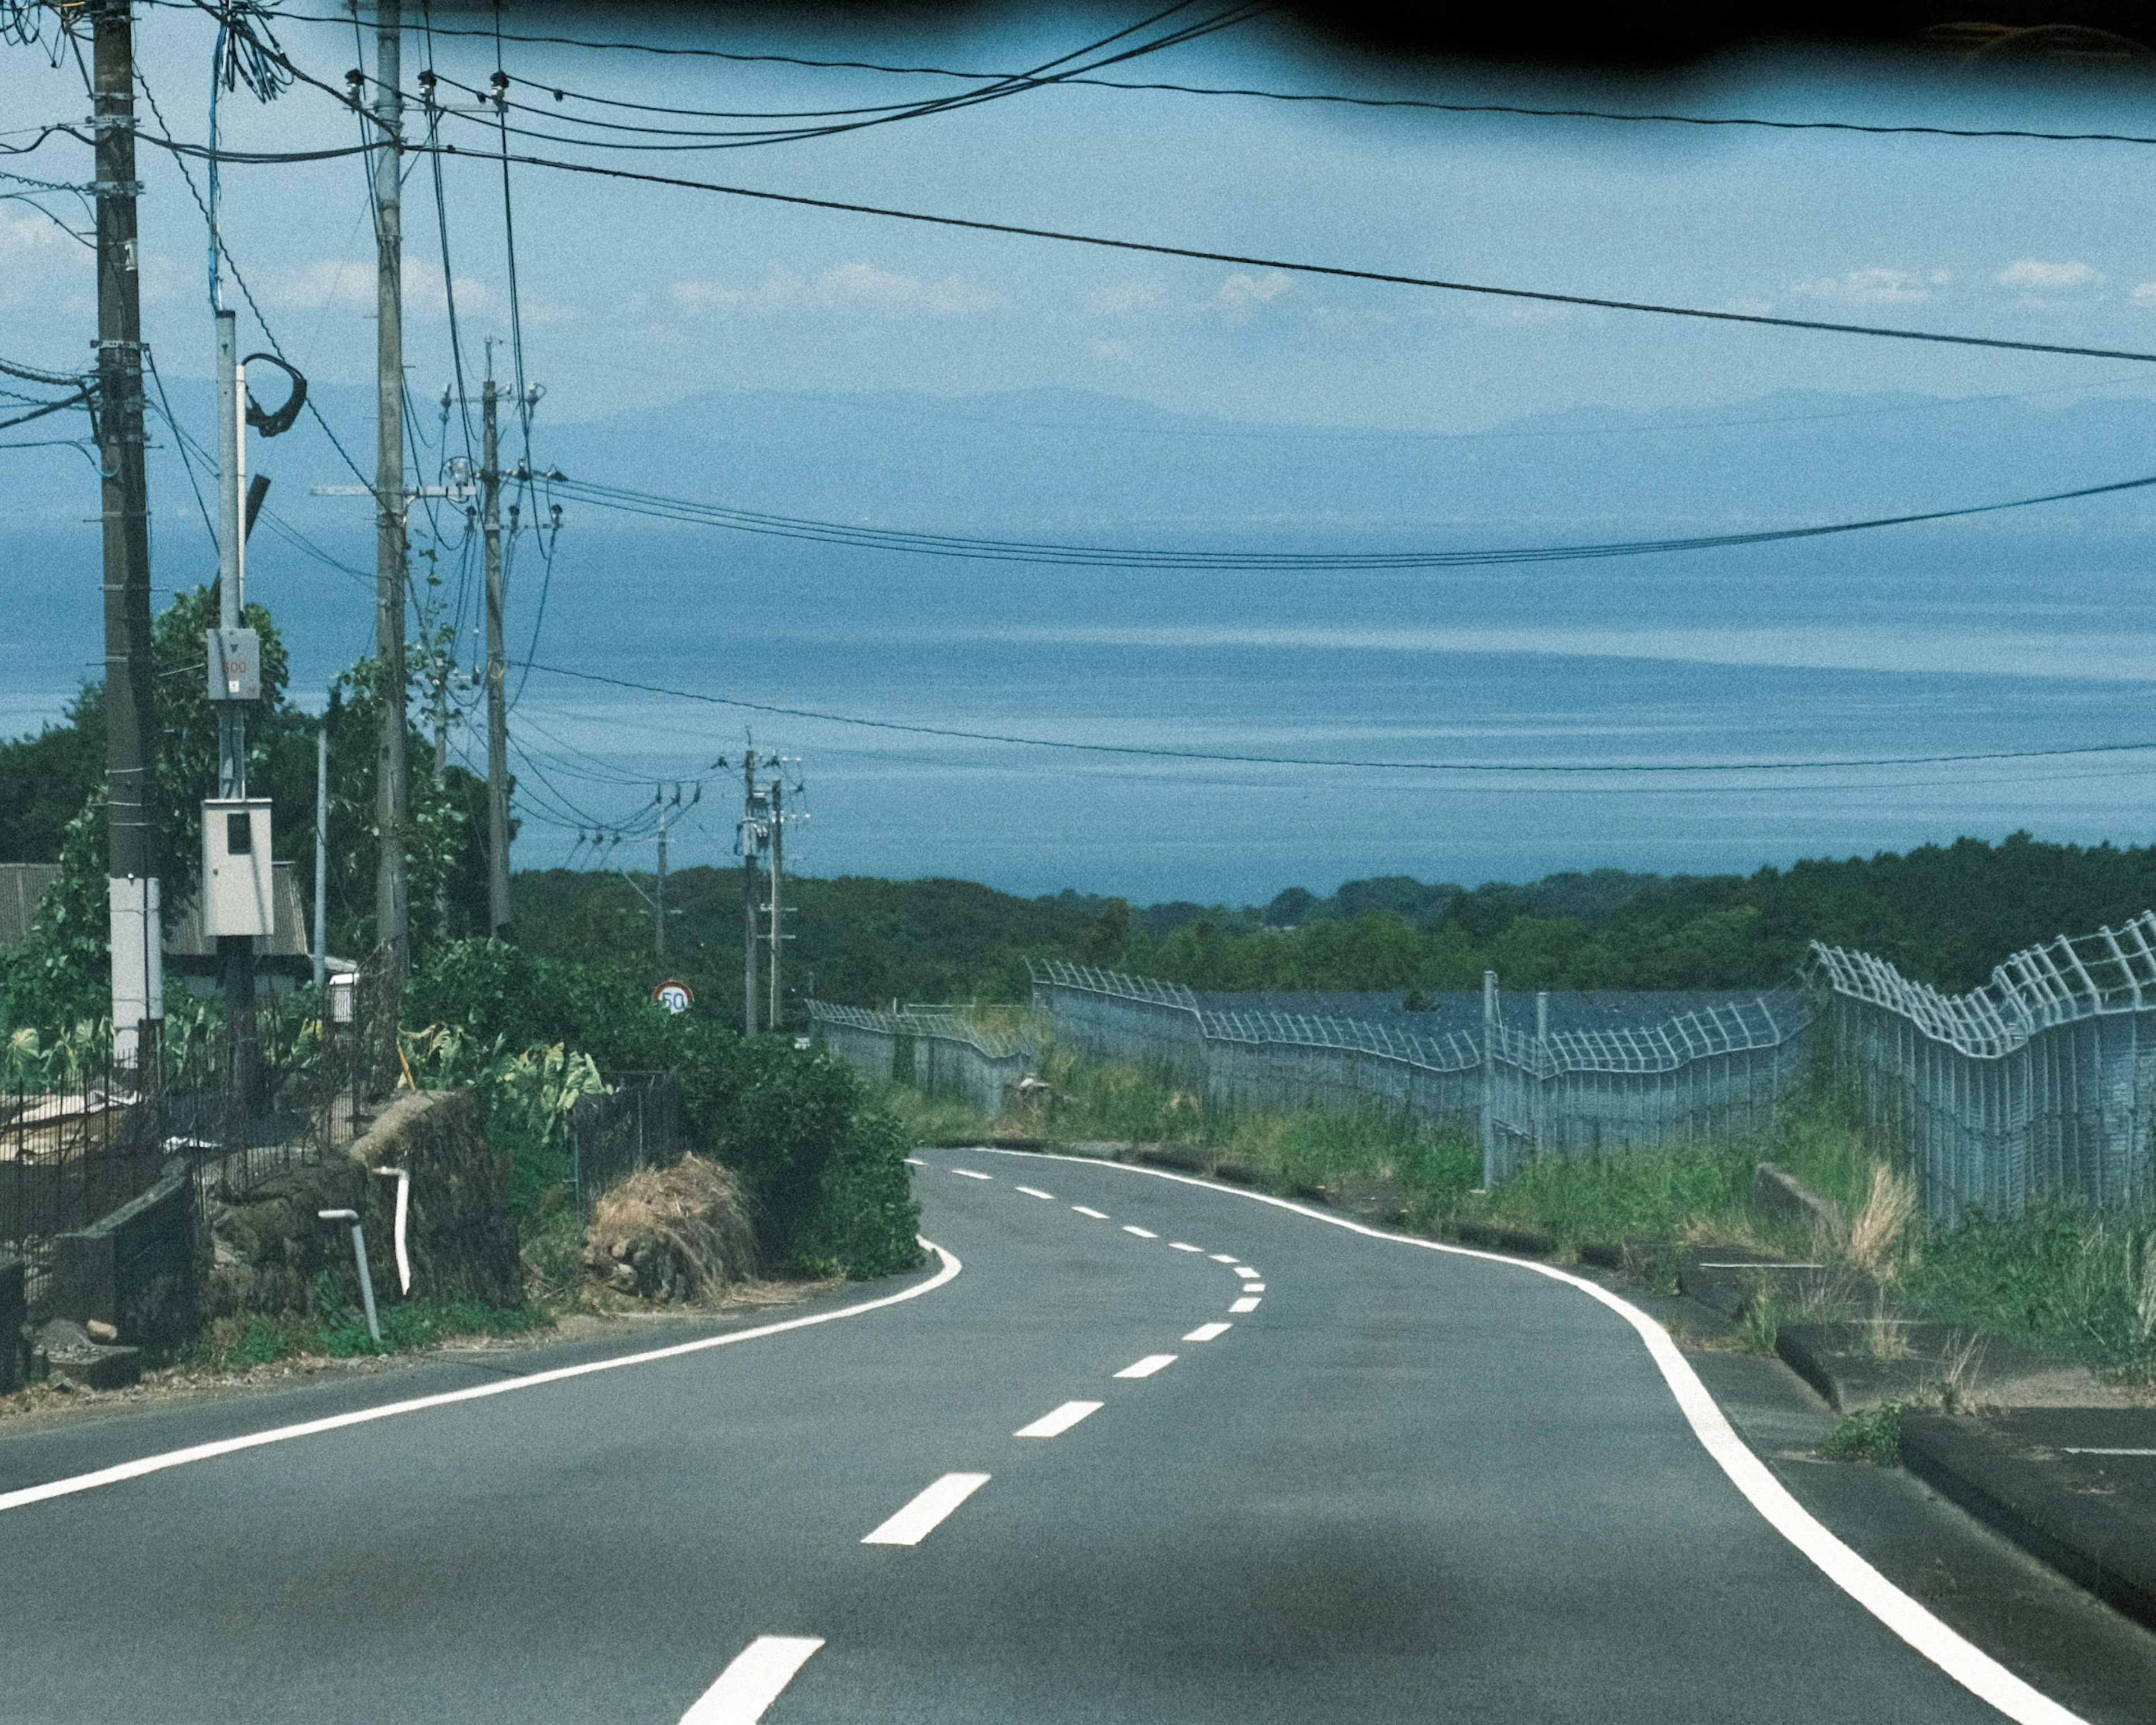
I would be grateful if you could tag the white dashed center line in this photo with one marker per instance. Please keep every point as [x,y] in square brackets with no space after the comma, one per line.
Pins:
[1146,1367]
[1254,1287]
[971,1175]
[1097,1215]
[1142,1233]
[759,1673]
[1206,1332]
[1246,1272]
[1181,1246]
[919,1518]
[1035,1191]
[1220,1257]
[1245,1304]
[1061,1420]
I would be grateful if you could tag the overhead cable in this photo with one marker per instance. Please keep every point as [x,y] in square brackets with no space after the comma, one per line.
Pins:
[1327,98]
[1507,767]
[974,224]
[1010,551]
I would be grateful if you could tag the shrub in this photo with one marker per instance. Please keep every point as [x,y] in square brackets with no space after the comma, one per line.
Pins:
[864,1219]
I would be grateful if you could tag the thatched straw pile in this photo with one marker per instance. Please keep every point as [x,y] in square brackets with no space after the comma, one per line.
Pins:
[674,1233]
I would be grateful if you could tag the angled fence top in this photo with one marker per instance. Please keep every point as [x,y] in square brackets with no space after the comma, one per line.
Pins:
[1656,1039]
[916,1021]
[2075,977]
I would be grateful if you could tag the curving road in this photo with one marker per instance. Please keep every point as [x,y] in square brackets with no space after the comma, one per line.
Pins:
[1298,1473]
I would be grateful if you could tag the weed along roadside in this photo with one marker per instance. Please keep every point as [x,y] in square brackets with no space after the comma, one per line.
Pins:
[2007,1359]
[491,1195]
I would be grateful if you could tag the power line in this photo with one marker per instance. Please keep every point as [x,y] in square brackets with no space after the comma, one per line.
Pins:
[1476,767]
[1115,558]
[1505,108]
[1291,266]
[844,120]
[1342,272]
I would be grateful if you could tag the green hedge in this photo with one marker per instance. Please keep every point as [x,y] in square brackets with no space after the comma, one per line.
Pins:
[823,1161]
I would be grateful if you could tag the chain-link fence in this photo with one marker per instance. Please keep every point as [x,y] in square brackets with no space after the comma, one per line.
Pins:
[2037,1084]
[936,1051]
[1597,1074]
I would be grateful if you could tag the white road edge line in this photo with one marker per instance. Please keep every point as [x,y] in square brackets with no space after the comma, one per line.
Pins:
[1035,1191]
[1207,1332]
[478,1392]
[926,1511]
[1097,1215]
[1248,1303]
[1183,1246]
[916,1162]
[759,1672]
[1960,1658]
[1061,1420]
[1142,1233]
[971,1175]
[1146,1367]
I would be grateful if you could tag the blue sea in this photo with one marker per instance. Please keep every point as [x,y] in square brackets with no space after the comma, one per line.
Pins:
[1923,642]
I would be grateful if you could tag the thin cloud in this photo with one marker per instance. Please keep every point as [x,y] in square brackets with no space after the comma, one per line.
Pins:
[842,286]
[1875,286]
[344,283]
[1240,293]
[2035,275]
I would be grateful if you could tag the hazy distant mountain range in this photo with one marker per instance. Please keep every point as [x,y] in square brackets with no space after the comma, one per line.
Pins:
[1054,459]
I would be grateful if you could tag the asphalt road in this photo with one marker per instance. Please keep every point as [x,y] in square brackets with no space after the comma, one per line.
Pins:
[1399,1484]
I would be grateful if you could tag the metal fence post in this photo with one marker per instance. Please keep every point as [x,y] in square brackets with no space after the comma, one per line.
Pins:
[1489,1077]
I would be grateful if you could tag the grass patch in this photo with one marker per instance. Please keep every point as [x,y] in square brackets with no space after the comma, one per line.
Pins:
[1702,1194]
[1873,1438]
[235,1344]
[1760,1330]
[2057,1278]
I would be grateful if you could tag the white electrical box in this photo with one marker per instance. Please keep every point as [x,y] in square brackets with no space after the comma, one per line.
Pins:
[237,873]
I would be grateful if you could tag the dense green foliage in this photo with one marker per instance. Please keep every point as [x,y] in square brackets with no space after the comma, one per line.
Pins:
[823,1165]
[51,781]
[854,938]
[1945,914]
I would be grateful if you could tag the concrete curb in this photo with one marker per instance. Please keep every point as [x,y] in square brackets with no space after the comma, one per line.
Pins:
[2092,1517]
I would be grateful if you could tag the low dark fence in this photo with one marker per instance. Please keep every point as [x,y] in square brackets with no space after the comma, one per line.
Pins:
[286,1086]
[70,1153]
[637,1124]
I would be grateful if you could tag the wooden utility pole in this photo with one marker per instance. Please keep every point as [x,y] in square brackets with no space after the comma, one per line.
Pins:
[393,770]
[137,923]
[498,915]
[777,893]
[659,883]
[750,832]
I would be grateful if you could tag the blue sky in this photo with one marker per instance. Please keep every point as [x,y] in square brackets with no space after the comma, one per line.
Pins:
[642,293]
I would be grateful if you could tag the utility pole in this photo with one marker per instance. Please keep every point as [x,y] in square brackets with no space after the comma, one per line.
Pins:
[235,952]
[137,923]
[750,833]
[321,862]
[497,674]
[659,896]
[777,891]
[392,771]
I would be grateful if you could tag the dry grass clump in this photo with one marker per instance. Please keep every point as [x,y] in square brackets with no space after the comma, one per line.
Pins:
[676,1234]
[1886,1224]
